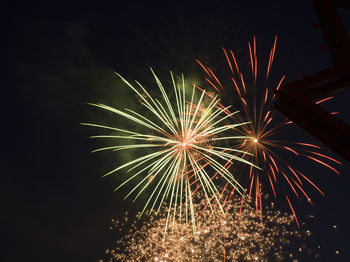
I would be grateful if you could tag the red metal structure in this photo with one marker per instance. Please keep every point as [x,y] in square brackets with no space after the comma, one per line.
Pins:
[296,100]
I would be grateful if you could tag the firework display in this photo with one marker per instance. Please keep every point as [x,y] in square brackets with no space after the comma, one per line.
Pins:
[186,144]
[237,236]
[182,137]
[256,101]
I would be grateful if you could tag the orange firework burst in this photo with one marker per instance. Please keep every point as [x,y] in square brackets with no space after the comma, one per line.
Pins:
[256,102]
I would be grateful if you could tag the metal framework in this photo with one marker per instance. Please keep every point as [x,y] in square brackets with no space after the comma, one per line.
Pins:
[296,100]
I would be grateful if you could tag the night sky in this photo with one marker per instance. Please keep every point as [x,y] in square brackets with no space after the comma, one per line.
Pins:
[58,57]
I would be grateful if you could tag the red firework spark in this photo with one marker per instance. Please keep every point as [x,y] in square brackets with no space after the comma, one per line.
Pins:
[263,129]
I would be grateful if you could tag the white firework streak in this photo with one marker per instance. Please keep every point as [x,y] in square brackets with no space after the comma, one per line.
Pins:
[182,133]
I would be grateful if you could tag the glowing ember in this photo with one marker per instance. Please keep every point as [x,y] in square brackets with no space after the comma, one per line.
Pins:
[217,239]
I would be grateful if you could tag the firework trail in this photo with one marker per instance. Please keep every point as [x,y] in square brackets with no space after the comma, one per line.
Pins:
[236,236]
[256,101]
[181,139]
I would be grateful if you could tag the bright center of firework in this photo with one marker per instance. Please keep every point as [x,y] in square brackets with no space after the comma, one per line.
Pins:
[255,140]
[185,143]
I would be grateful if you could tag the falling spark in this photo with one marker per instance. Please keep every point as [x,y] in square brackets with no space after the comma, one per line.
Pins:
[217,239]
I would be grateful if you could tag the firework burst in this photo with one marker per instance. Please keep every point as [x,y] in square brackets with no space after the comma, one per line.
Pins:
[235,236]
[256,101]
[180,141]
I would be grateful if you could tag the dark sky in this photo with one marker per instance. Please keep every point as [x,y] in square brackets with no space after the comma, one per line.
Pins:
[55,206]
